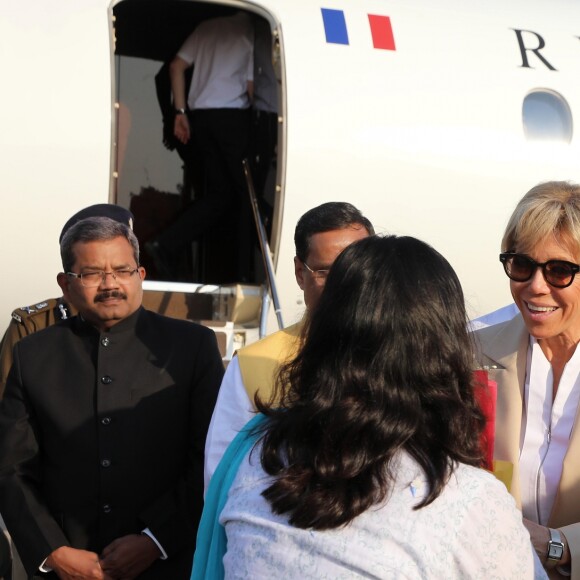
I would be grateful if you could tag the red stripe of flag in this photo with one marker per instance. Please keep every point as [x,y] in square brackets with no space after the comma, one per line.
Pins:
[382,32]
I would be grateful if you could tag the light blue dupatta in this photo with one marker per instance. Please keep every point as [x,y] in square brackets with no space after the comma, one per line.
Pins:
[211,535]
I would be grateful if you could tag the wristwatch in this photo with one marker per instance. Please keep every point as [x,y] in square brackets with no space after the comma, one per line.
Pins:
[180,111]
[555,546]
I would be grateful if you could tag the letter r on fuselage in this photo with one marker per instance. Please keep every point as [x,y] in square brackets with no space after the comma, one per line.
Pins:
[525,49]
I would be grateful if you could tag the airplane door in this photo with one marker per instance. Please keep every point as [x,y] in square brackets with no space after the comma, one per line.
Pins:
[156,176]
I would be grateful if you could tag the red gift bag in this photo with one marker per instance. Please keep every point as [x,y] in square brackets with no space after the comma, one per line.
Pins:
[486,396]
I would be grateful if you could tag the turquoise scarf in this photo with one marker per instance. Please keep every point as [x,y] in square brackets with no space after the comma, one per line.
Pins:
[211,535]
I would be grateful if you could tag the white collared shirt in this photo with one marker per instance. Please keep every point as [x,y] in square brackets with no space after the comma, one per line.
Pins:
[546,430]
[222,50]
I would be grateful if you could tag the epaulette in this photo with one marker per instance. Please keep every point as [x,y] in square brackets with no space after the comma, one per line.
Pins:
[24,313]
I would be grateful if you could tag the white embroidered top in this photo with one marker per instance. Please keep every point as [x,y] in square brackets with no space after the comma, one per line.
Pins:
[473,530]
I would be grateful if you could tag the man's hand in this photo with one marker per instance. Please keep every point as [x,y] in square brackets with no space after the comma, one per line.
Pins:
[72,564]
[129,556]
[181,128]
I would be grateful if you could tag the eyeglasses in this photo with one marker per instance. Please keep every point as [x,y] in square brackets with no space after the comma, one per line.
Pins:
[318,275]
[95,278]
[520,268]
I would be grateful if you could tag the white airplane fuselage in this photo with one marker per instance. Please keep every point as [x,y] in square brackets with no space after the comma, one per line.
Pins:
[412,111]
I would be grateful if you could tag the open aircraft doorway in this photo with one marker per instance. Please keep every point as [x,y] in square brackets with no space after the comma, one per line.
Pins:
[157,177]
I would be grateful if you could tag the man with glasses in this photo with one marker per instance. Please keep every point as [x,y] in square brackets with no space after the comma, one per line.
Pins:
[103,423]
[42,314]
[30,319]
[320,236]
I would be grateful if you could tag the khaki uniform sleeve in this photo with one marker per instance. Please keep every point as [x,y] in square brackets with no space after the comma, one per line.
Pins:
[25,321]
[15,331]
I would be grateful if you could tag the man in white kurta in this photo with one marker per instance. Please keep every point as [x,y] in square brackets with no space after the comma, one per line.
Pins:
[321,234]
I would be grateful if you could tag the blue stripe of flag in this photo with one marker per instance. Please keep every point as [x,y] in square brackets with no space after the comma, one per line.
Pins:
[334,26]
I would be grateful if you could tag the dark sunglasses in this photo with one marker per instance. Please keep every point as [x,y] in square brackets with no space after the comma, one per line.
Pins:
[520,268]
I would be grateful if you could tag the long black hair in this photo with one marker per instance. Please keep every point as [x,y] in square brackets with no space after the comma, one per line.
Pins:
[386,365]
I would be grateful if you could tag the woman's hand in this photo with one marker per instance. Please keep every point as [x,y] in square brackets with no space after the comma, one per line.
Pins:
[540,536]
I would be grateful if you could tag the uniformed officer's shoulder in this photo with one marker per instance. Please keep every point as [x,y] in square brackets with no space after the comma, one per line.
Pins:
[41,314]
[24,313]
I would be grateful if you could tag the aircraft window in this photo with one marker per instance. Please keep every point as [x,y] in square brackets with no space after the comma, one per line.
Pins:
[547,117]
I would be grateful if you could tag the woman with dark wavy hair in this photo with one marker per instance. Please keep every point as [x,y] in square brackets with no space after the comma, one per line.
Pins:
[367,460]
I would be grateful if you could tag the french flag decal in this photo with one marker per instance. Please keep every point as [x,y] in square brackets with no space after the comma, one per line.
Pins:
[382,32]
[334,26]
[336,31]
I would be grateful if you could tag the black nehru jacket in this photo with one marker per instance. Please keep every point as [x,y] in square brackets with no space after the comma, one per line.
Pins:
[102,435]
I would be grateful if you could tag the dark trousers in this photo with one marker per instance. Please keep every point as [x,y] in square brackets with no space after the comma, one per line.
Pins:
[221,138]
[264,138]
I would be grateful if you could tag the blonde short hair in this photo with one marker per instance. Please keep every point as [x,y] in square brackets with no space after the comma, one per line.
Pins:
[551,208]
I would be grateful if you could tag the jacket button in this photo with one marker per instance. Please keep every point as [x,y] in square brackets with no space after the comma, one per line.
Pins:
[106,421]
[106,341]
[107,508]
[105,463]
[106,380]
